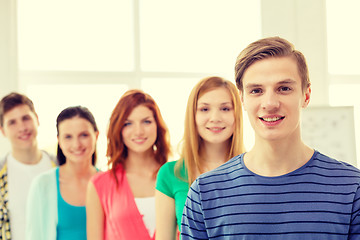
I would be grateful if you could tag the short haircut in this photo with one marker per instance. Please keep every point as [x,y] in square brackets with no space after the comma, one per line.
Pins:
[11,101]
[271,47]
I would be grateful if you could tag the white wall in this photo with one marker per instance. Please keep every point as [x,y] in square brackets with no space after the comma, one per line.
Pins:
[302,22]
[8,55]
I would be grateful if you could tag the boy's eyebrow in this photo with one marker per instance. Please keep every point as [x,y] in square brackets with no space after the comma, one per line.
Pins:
[252,85]
[285,81]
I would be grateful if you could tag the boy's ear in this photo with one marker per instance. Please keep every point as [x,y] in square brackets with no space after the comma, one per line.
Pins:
[37,119]
[2,131]
[307,97]
[241,94]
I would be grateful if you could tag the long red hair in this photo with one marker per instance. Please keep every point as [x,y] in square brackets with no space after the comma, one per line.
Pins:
[116,149]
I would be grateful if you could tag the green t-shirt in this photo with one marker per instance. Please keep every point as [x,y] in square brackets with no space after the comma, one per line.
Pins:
[173,187]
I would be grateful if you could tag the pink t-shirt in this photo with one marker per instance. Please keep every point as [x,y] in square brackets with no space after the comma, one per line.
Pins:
[123,220]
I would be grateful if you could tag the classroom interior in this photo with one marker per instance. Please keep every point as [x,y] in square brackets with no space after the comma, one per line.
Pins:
[64,53]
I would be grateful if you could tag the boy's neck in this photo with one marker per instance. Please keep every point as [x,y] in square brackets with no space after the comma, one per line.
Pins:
[27,156]
[277,158]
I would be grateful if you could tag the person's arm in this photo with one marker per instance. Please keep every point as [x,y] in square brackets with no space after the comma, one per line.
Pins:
[41,208]
[33,213]
[192,222]
[165,217]
[94,214]
[354,230]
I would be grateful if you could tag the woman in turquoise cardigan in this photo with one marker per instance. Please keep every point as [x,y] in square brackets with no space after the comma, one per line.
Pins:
[56,203]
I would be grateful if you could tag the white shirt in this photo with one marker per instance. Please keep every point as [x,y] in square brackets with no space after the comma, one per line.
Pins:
[20,176]
[146,207]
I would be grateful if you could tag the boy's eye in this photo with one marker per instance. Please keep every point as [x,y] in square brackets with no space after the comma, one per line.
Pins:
[67,136]
[255,91]
[27,117]
[12,122]
[84,135]
[284,89]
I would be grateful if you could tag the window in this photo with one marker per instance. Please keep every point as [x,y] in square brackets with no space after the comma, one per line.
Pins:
[196,36]
[339,96]
[70,52]
[343,63]
[75,35]
[172,104]
[343,37]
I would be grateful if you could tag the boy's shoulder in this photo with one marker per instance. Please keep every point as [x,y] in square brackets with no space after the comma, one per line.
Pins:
[324,161]
[51,157]
[3,163]
[47,155]
[226,169]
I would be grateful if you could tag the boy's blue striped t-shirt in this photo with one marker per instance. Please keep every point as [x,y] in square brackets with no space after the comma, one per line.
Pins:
[320,200]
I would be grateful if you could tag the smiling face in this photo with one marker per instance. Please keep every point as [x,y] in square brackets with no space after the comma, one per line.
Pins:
[273,97]
[215,118]
[77,139]
[20,127]
[140,130]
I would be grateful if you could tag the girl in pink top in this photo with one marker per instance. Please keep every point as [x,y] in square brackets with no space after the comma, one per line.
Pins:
[119,201]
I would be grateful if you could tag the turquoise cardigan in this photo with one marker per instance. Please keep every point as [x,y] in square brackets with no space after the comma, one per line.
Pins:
[41,209]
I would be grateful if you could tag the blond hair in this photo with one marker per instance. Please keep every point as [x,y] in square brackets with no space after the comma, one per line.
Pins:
[192,144]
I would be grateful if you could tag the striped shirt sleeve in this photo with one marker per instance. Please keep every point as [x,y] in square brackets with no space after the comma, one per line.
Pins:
[192,224]
[354,231]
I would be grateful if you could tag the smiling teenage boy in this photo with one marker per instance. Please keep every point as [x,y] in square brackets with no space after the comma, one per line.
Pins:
[19,123]
[281,188]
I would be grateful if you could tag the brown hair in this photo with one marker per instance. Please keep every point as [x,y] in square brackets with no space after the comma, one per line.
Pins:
[11,101]
[69,113]
[267,48]
[191,142]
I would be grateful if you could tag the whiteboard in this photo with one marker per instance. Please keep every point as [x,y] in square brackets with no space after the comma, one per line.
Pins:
[331,131]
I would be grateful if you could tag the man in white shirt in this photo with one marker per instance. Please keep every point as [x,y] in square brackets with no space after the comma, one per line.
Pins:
[18,123]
